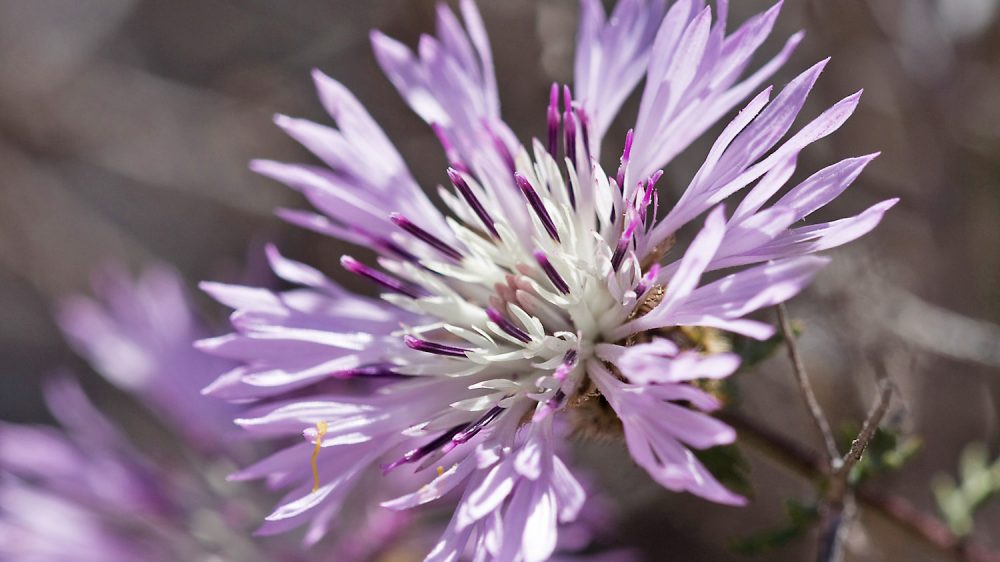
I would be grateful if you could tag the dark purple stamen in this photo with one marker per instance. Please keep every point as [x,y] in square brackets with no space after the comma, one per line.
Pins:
[647,280]
[569,136]
[407,225]
[651,197]
[551,405]
[553,275]
[623,243]
[472,201]
[563,370]
[556,399]
[422,451]
[536,204]
[474,428]
[432,347]
[506,325]
[553,116]
[386,281]
[647,196]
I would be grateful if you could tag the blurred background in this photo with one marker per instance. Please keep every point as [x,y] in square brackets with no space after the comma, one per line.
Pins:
[126,127]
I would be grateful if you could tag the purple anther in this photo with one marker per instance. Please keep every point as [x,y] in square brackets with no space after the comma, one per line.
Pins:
[553,115]
[414,455]
[472,201]
[647,196]
[557,398]
[432,347]
[551,405]
[557,281]
[506,325]
[650,186]
[623,243]
[474,428]
[421,234]
[381,279]
[536,204]
[647,280]
[564,368]
[626,155]
[569,127]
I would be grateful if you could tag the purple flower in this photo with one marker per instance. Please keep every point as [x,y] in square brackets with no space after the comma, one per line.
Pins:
[550,295]
[137,334]
[82,494]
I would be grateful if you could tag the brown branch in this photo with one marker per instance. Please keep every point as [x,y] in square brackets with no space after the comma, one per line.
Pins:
[836,468]
[922,526]
[875,415]
[839,492]
[815,411]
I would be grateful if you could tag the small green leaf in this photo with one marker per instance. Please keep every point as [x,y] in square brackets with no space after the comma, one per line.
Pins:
[979,480]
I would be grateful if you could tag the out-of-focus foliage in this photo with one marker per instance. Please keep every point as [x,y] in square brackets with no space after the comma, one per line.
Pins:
[978,481]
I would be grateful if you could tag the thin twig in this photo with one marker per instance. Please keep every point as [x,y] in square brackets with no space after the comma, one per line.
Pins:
[815,411]
[922,526]
[833,521]
[871,424]
[838,491]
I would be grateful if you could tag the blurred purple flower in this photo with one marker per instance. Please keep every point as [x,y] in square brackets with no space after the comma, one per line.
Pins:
[530,301]
[137,334]
[84,493]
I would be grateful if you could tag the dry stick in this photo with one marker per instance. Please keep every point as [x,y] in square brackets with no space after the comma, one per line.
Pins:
[922,526]
[837,470]
[872,421]
[839,493]
[815,411]
[832,528]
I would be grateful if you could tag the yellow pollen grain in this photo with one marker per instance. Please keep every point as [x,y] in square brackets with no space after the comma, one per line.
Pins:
[320,432]
[440,470]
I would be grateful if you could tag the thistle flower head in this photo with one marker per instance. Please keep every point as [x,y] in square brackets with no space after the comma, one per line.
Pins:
[550,296]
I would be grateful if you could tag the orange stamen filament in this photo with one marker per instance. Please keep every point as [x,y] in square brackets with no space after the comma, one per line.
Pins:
[320,432]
